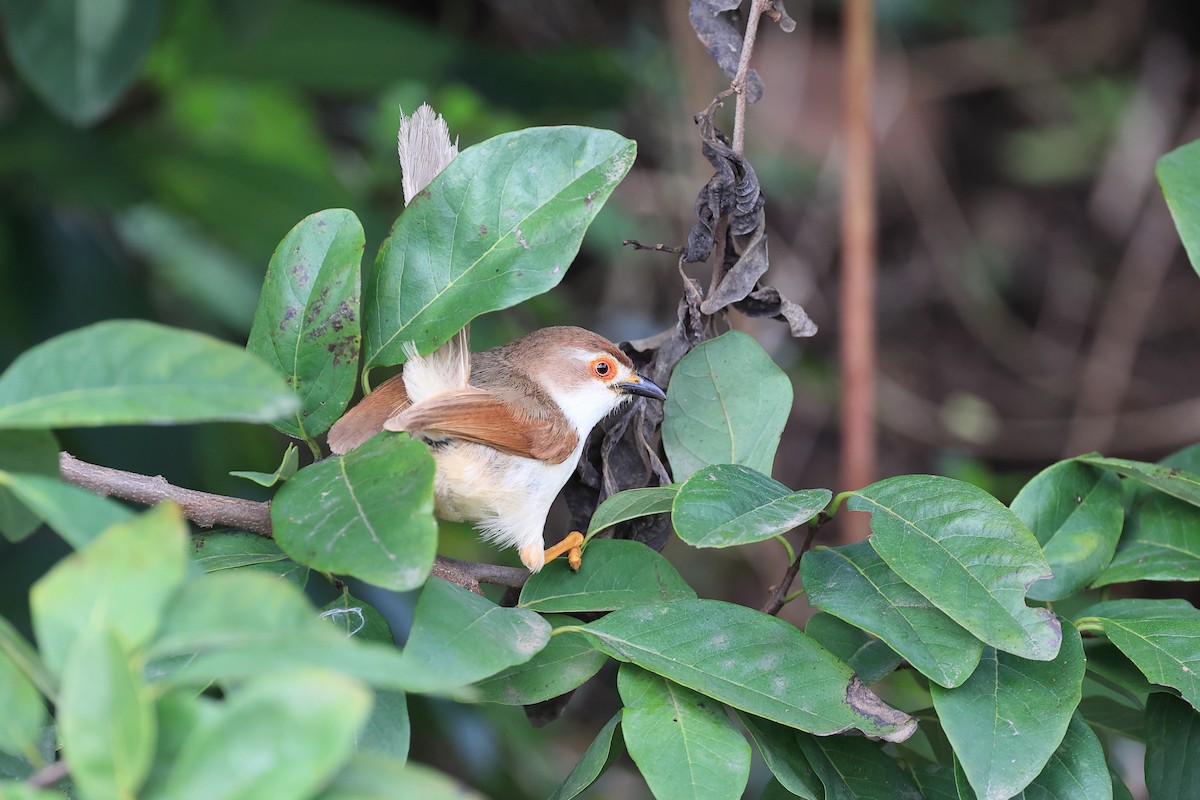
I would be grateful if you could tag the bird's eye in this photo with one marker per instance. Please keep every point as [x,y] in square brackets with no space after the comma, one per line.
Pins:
[604,368]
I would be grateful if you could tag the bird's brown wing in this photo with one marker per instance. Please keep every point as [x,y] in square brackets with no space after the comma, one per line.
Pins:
[367,418]
[479,416]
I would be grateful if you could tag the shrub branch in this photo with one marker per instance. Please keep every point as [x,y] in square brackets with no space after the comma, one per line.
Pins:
[208,510]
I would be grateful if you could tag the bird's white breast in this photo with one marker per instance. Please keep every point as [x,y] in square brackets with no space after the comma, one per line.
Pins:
[506,496]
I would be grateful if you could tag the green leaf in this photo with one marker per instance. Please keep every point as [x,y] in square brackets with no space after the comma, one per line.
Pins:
[631,504]
[853,583]
[121,582]
[356,619]
[368,513]
[727,504]
[79,56]
[287,468]
[1077,769]
[75,514]
[870,658]
[1179,175]
[21,654]
[616,573]
[1157,635]
[853,768]
[727,403]
[1107,665]
[1120,790]
[600,753]
[177,714]
[14,771]
[682,742]
[105,717]
[1187,458]
[284,735]
[751,661]
[1172,747]
[221,550]
[129,372]
[1170,480]
[13,790]
[372,776]
[930,741]
[1076,513]
[387,730]
[787,763]
[218,550]
[564,664]
[965,792]
[307,324]
[1107,714]
[29,452]
[935,781]
[459,637]
[1161,542]
[1010,716]
[236,625]
[24,711]
[500,224]
[961,548]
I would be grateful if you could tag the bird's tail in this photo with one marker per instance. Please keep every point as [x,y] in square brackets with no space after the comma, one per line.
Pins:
[445,369]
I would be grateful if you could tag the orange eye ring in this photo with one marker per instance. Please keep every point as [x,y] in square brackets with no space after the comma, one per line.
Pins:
[604,368]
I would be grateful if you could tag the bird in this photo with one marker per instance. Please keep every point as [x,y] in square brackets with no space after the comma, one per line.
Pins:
[505,426]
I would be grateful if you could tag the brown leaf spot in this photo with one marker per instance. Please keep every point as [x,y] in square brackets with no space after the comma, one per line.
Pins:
[288,315]
[299,271]
[867,704]
[344,349]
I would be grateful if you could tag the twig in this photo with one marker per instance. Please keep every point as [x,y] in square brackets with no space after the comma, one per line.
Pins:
[739,79]
[207,510]
[858,266]
[469,574]
[48,775]
[661,248]
[780,590]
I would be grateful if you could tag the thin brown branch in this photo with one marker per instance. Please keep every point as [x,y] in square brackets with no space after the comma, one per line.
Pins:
[780,590]
[470,574]
[661,248]
[757,7]
[48,775]
[858,268]
[207,510]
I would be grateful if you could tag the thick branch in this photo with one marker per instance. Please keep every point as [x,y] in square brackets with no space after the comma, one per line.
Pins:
[202,508]
[207,510]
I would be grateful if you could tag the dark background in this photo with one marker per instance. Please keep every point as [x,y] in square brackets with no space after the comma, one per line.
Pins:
[1034,301]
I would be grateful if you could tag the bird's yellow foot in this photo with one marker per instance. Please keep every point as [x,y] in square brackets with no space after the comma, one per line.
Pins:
[570,546]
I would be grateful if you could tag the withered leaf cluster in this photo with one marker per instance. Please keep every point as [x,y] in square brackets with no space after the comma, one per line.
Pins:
[625,451]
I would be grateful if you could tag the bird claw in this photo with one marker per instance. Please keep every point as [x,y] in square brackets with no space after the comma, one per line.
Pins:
[571,546]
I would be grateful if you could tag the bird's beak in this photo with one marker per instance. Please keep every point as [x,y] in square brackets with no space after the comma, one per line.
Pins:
[641,385]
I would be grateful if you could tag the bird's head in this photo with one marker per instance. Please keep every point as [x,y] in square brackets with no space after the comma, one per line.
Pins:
[587,375]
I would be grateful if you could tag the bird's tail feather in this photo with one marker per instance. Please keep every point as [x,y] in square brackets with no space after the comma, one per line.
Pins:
[445,369]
